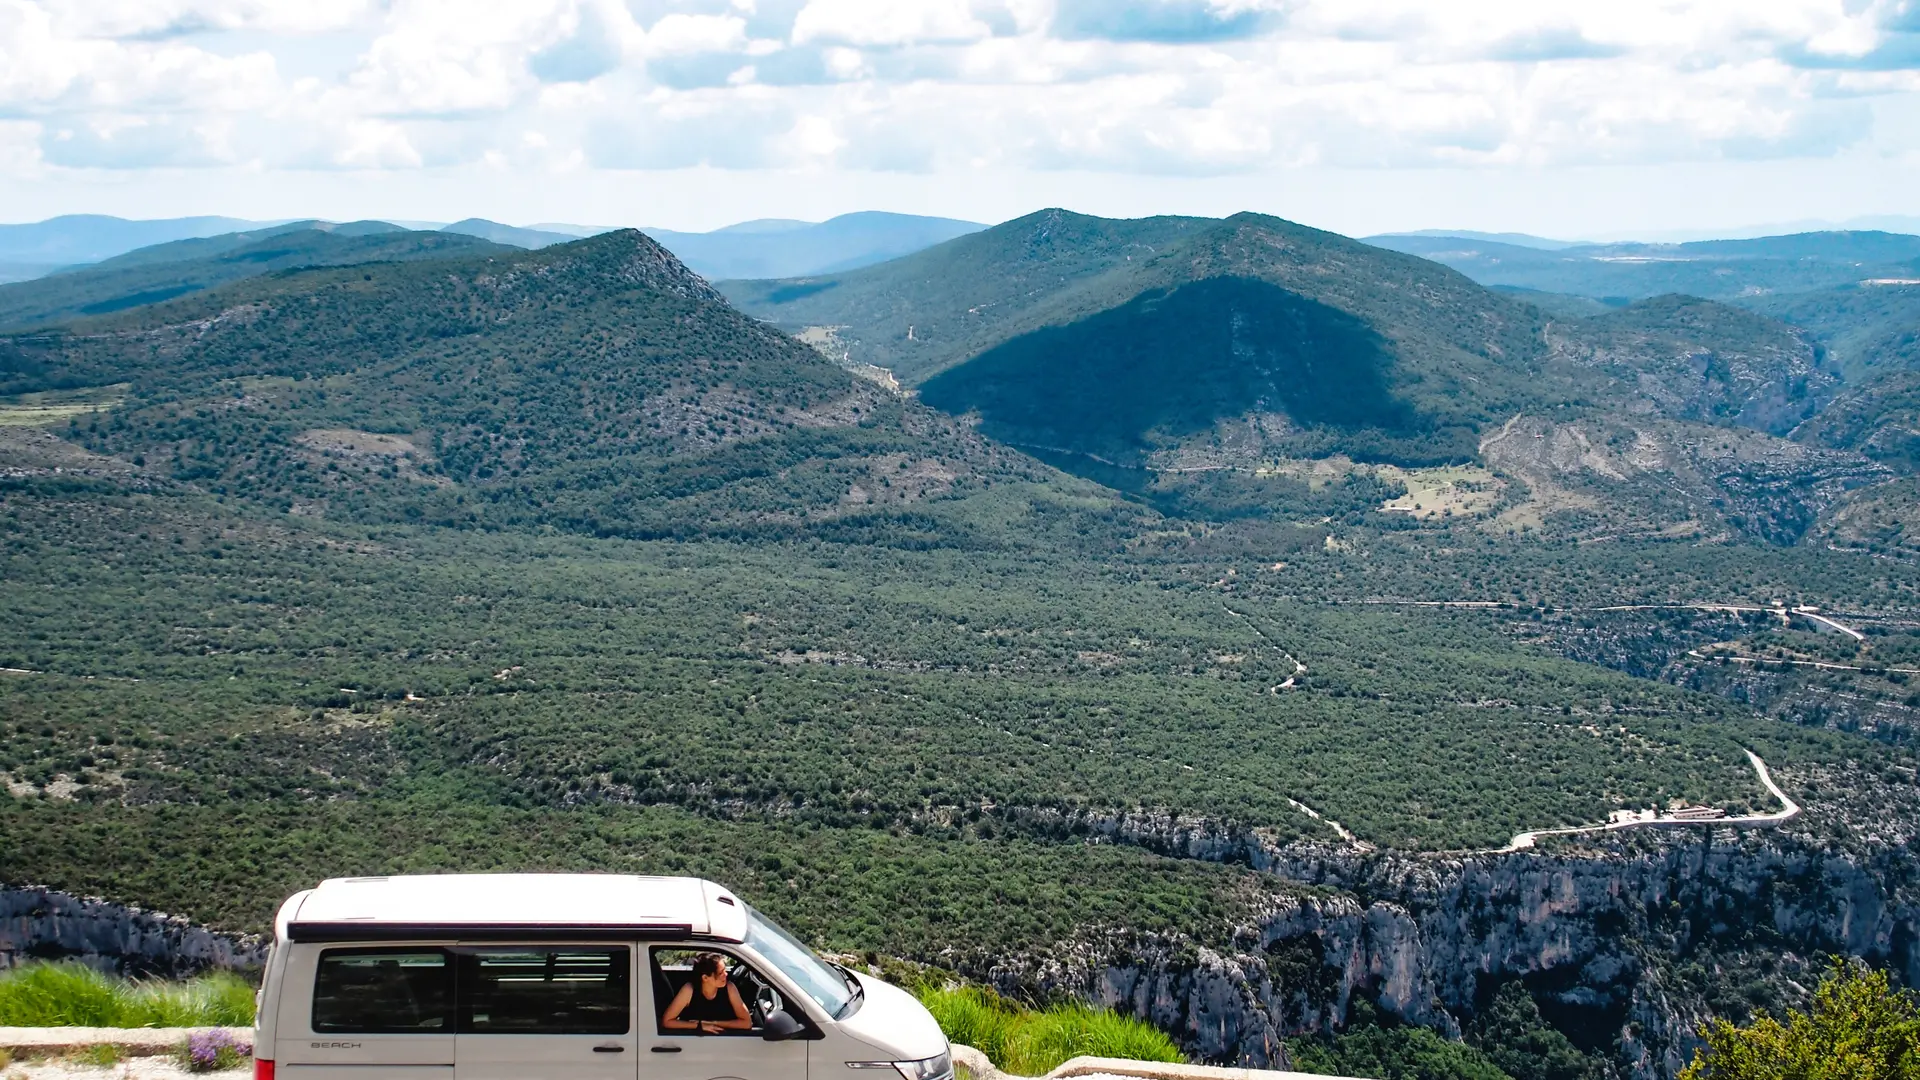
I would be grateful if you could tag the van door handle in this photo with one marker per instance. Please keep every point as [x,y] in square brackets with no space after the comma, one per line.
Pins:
[609,1049]
[666,1049]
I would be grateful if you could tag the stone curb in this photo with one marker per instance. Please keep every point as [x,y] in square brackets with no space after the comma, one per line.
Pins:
[133,1042]
[978,1064]
[149,1042]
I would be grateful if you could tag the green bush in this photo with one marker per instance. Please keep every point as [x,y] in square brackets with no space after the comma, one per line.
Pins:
[1512,1035]
[1030,1042]
[59,995]
[1860,1028]
[1399,1053]
[72,995]
[99,1054]
[973,1017]
[219,999]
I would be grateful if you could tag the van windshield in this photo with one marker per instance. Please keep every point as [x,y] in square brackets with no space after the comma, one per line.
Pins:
[827,986]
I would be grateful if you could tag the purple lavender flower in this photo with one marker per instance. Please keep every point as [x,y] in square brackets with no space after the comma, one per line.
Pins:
[214,1051]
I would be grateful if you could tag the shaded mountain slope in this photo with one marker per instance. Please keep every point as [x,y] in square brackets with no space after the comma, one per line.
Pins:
[153,275]
[1170,365]
[596,386]
[919,314]
[1108,337]
[1148,356]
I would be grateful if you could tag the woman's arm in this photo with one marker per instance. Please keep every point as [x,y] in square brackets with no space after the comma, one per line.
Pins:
[671,1018]
[742,1019]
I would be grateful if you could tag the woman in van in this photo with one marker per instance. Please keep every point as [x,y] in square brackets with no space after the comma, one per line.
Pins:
[709,1004]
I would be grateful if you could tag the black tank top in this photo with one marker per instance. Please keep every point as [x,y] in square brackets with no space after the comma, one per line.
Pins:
[710,1009]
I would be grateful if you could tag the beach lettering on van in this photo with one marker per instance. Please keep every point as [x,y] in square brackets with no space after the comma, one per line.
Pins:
[334,1046]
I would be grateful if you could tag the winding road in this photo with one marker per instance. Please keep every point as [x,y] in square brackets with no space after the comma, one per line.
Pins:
[1656,820]
[1784,614]
[1647,819]
[1299,668]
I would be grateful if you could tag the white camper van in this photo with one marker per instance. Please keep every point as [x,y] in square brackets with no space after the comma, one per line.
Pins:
[568,977]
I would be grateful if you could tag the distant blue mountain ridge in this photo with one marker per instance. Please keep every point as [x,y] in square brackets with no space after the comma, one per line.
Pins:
[1731,269]
[778,248]
[786,248]
[767,247]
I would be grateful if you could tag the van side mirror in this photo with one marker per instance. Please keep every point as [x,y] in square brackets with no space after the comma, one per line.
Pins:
[781,1026]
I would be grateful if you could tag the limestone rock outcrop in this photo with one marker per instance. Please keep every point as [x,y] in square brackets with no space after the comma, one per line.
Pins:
[1626,948]
[38,923]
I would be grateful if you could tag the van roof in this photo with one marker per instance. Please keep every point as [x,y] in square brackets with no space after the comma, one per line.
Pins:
[512,907]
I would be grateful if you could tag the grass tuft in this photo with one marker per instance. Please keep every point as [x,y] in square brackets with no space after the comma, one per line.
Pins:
[59,995]
[98,1054]
[219,999]
[1030,1042]
[72,995]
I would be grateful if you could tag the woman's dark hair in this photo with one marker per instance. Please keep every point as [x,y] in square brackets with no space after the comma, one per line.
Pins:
[706,964]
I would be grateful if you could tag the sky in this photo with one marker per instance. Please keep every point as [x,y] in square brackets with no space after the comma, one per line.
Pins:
[1592,119]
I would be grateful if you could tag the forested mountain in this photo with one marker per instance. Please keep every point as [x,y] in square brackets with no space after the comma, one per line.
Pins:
[917,315]
[595,386]
[1869,330]
[1196,363]
[1115,339]
[155,274]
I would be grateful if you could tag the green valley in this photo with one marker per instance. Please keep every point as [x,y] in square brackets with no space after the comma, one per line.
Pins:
[1203,580]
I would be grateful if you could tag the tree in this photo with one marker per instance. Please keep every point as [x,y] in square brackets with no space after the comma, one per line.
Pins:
[1860,1028]
[1513,1036]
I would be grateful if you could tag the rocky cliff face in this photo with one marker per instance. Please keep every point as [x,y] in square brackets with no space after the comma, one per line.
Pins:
[1627,946]
[1627,943]
[40,924]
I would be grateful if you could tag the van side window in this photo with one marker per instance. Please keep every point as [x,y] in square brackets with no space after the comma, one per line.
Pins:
[383,991]
[673,969]
[542,990]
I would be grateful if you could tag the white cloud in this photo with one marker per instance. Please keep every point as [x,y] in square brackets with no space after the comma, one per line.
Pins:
[162,18]
[869,23]
[118,142]
[595,40]
[677,35]
[371,144]
[437,57]
[1170,87]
